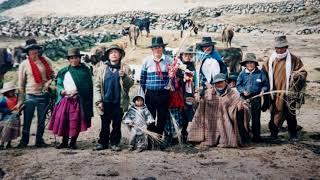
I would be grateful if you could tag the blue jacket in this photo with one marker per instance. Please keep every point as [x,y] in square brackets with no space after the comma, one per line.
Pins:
[252,83]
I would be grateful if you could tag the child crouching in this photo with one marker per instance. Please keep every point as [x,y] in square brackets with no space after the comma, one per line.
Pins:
[9,115]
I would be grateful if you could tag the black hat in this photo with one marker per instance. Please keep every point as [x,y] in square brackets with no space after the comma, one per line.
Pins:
[206,41]
[74,52]
[31,44]
[157,41]
[117,47]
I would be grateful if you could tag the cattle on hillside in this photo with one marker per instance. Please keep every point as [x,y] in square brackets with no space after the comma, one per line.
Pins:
[133,33]
[227,35]
[142,23]
[232,57]
[187,24]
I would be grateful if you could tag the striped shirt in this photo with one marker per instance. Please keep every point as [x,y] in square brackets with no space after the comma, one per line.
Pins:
[149,79]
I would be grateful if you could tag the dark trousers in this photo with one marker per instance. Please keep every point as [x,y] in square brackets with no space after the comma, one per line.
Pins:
[188,113]
[255,117]
[289,114]
[112,112]
[157,103]
[41,102]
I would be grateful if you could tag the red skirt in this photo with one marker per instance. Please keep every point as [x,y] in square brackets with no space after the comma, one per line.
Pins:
[67,118]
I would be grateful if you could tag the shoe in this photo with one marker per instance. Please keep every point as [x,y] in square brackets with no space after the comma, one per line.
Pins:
[139,150]
[273,136]
[22,146]
[131,148]
[73,146]
[8,146]
[256,139]
[1,147]
[41,145]
[62,145]
[293,138]
[115,148]
[73,143]
[100,147]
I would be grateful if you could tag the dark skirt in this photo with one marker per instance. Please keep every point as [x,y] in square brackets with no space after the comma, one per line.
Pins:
[67,118]
[9,127]
[175,122]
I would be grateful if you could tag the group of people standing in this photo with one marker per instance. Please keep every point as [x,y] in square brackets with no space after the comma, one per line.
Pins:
[190,98]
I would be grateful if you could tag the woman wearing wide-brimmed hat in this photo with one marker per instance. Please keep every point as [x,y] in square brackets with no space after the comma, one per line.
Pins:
[35,76]
[74,105]
[186,55]
[211,63]
[9,118]
[111,96]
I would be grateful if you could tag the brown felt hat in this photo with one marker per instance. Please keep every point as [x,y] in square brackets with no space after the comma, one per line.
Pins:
[74,52]
[249,57]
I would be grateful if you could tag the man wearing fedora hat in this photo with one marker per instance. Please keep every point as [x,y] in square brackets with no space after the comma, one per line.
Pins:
[251,82]
[112,87]
[35,76]
[154,78]
[287,78]
[74,105]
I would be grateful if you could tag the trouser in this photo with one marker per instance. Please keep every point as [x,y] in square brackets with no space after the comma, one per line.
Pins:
[112,112]
[157,103]
[255,117]
[188,113]
[41,102]
[287,113]
[137,140]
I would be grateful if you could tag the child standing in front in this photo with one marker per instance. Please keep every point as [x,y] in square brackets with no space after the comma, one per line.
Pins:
[173,127]
[9,115]
[137,118]
[252,82]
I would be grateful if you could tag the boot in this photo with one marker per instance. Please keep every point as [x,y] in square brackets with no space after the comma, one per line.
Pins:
[73,142]
[64,143]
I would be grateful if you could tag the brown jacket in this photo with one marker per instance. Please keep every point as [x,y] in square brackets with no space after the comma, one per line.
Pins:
[298,73]
[126,84]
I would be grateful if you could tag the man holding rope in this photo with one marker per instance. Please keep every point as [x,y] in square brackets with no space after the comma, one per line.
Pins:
[287,78]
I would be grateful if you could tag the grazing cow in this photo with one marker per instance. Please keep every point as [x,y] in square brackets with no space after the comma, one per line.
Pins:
[133,33]
[186,24]
[143,23]
[227,35]
[232,57]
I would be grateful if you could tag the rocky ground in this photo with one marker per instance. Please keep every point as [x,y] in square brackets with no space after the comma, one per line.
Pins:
[269,160]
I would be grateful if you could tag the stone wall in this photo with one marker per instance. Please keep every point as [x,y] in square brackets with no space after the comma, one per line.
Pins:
[52,27]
